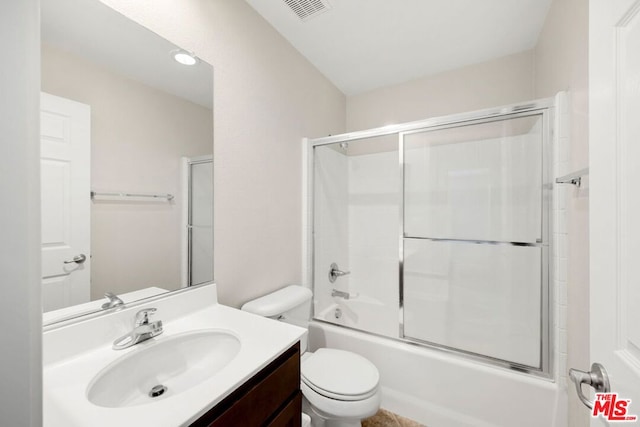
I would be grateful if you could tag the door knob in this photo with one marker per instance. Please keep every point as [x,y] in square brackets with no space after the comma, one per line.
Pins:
[78,259]
[597,378]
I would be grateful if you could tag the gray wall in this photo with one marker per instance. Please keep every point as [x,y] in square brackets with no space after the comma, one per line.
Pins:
[20,307]
[266,98]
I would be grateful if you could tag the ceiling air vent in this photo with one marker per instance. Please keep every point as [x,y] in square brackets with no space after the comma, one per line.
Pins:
[306,9]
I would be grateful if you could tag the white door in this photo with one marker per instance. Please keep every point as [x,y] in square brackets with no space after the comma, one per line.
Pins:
[614,152]
[65,165]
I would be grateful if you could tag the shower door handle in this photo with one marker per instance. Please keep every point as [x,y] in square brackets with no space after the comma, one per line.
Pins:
[335,272]
[597,378]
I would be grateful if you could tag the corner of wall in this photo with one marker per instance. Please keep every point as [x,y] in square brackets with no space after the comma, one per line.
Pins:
[21,307]
[560,236]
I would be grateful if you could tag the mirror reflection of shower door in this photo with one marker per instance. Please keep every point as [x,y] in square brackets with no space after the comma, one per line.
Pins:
[198,214]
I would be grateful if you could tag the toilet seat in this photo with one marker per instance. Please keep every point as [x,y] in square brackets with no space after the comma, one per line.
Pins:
[329,408]
[340,375]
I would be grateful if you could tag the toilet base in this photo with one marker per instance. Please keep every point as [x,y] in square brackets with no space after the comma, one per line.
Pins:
[318,420]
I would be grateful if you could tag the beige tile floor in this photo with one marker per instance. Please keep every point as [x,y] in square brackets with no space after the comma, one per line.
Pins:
[385,418]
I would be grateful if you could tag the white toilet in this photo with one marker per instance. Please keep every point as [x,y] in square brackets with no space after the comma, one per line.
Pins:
[340,388]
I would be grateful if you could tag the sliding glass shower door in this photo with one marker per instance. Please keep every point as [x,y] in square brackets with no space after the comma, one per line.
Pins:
[474,236]
[438,234]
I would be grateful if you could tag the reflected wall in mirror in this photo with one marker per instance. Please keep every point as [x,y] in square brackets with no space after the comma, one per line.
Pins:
[127,178]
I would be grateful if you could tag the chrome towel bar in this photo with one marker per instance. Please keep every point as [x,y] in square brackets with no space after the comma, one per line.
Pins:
[169,197]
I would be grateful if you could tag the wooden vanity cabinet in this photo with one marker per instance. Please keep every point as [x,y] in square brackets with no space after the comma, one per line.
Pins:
[271,398]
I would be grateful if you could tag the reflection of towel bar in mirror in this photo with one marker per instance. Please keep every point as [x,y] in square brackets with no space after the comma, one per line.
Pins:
[169,197]
[574,178]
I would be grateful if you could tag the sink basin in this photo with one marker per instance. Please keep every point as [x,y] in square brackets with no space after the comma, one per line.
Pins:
[159,369]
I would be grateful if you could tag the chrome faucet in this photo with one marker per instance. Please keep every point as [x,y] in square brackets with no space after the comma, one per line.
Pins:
[114,301]
[142,331]
[341,294]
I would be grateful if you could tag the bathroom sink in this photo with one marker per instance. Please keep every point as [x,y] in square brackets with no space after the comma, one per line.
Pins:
[163,368]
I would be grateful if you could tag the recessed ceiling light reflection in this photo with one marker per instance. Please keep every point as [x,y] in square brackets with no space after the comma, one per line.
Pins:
[184,57]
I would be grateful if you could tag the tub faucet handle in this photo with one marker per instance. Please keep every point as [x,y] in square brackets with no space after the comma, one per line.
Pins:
[335,272]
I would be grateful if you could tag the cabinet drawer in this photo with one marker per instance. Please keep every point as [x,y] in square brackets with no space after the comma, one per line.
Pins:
[289,416]
[263,398]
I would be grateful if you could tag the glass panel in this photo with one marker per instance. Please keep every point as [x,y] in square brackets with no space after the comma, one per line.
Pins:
[475,182]
[480,298]
[202,194]
[201,217]
[356,213]
[201,255]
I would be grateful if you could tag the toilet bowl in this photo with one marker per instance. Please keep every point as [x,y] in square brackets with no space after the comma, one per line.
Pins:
[339,387]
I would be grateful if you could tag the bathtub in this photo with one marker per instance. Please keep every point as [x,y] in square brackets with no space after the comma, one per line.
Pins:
[439,389]
[363,312]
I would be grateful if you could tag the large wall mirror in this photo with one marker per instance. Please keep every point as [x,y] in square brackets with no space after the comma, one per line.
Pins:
[127,170]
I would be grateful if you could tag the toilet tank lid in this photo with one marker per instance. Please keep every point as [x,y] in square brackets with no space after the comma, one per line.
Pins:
[279,302]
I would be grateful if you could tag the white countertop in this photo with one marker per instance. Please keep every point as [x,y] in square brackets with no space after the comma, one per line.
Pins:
[74,354]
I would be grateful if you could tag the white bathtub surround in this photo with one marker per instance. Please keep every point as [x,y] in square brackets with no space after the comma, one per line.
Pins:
[356,215]
[75,354]
[331,221]
[374,212]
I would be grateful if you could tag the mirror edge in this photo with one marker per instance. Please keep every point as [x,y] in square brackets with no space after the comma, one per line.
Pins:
[89,315]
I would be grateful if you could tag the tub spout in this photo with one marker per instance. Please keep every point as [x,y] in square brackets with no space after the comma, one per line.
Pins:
[341,294]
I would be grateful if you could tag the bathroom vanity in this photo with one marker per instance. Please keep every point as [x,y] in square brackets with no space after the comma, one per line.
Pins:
[272,397]
[211,366]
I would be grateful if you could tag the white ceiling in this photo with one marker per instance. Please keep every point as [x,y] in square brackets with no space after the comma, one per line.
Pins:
[94,31]
[361,45]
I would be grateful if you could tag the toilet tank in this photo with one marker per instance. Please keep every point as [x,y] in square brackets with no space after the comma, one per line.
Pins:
[291,304]
[293,301]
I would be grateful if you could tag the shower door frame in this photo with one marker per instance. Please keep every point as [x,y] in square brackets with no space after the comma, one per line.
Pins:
[186,227]
[543,107]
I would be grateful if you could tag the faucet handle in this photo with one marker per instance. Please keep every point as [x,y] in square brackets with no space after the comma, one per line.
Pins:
[335,272]
[113,301]
[142,317]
